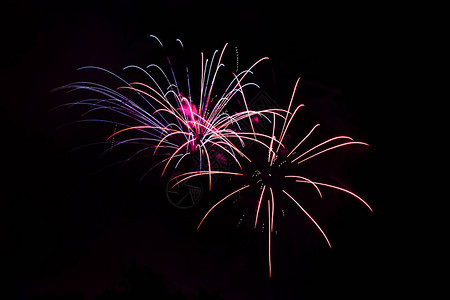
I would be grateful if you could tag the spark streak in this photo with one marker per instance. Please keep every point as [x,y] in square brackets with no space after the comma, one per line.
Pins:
[226,197]
[270,238]
[311,218]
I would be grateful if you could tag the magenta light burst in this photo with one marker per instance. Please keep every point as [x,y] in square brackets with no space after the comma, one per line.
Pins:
[175,123]
[272,179]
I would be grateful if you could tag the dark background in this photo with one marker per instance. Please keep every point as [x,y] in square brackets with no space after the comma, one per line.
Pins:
[75,230]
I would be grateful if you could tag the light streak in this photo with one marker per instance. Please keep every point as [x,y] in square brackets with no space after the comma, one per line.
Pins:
[270,237]
[311,218]
[259,204]
[305,180]
[306,136]
[223,199]
[334,147]
[188,175]
[321,144]
[273,209]
[340,189]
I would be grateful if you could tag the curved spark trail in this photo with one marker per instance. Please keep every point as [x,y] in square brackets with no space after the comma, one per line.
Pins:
[220,201]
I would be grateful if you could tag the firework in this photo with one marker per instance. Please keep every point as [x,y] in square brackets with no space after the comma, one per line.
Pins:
[272,179]
[174,123]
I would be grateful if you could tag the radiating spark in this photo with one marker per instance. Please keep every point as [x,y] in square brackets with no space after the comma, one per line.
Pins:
[259,204]
[306,136]
[188,175]
[338,188]
[321,144]
[226,197]
[334,147]
[273,208]
[311,218]
[288,110]
[270,238]
[305,180]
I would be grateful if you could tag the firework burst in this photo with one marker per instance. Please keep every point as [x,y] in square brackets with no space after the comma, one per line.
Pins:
[174,123]
[279,171]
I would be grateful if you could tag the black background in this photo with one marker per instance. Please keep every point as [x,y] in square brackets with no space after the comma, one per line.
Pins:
[71,229]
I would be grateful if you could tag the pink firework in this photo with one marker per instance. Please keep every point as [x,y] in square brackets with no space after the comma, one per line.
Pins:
[174,123]
[272,179]
[202,126]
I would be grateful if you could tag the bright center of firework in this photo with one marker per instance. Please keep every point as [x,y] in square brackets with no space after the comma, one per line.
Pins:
[270,176]
[189,109]
[192,121]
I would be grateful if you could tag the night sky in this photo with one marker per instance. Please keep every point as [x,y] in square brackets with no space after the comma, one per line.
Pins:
[77,229]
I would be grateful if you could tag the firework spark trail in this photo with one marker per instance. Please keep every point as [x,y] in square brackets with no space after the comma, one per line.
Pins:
[188,175]
[270,237]
[337,188]
[311,218]
[334,147]
[284,129]
[306,136]
[220,201]
[259,204]
[115,102]
[274,187]
[246,106]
